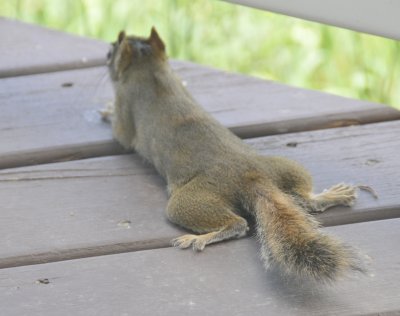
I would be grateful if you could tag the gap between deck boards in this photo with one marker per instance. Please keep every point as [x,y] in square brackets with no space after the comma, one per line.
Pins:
[85,252]
[112,148]
[147,244]
[61,154]
[37,70]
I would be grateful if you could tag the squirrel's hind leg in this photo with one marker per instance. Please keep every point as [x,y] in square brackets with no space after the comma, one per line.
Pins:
[198,242]
[205,213]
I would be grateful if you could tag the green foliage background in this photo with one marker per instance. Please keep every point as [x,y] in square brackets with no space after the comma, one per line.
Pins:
[236,38]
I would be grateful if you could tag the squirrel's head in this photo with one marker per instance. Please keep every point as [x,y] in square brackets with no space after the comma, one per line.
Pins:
[132,51]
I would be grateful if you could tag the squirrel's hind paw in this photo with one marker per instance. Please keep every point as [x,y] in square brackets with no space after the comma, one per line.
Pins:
[197,242]
[344,194]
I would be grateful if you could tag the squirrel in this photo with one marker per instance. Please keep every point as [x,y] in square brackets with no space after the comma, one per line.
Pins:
[214,180]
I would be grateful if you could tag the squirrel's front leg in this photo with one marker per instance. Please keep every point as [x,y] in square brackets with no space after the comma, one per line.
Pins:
[123,128]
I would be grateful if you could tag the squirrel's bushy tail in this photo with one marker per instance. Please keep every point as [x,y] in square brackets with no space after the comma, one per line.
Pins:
[290,239]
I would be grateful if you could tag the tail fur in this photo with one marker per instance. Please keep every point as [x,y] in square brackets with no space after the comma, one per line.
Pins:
[291,239]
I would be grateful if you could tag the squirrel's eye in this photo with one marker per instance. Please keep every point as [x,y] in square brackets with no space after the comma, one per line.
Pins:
[111,51]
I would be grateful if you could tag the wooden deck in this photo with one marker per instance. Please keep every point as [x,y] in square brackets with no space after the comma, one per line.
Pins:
[82,222]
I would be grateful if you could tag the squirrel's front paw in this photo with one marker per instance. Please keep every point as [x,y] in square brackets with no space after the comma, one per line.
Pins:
[197,242]
[107,113]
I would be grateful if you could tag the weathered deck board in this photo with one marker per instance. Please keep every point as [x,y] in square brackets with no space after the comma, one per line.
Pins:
[81,208]
[225,279]
[81,204]
[52,117]
[28,49]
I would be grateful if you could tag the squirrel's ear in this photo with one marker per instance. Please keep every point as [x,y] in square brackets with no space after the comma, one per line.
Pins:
[126,54]
[121,36]
[155,40]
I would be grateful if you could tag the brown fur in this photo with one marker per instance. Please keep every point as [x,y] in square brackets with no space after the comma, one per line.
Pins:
[213,177]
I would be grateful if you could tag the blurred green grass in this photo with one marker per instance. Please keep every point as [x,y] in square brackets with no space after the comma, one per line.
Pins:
[237,38]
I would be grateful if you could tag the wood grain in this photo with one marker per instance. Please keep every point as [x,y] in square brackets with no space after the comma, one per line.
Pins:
[53,117]
[81,204]
[28,49]
[225,279]
[54,211]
